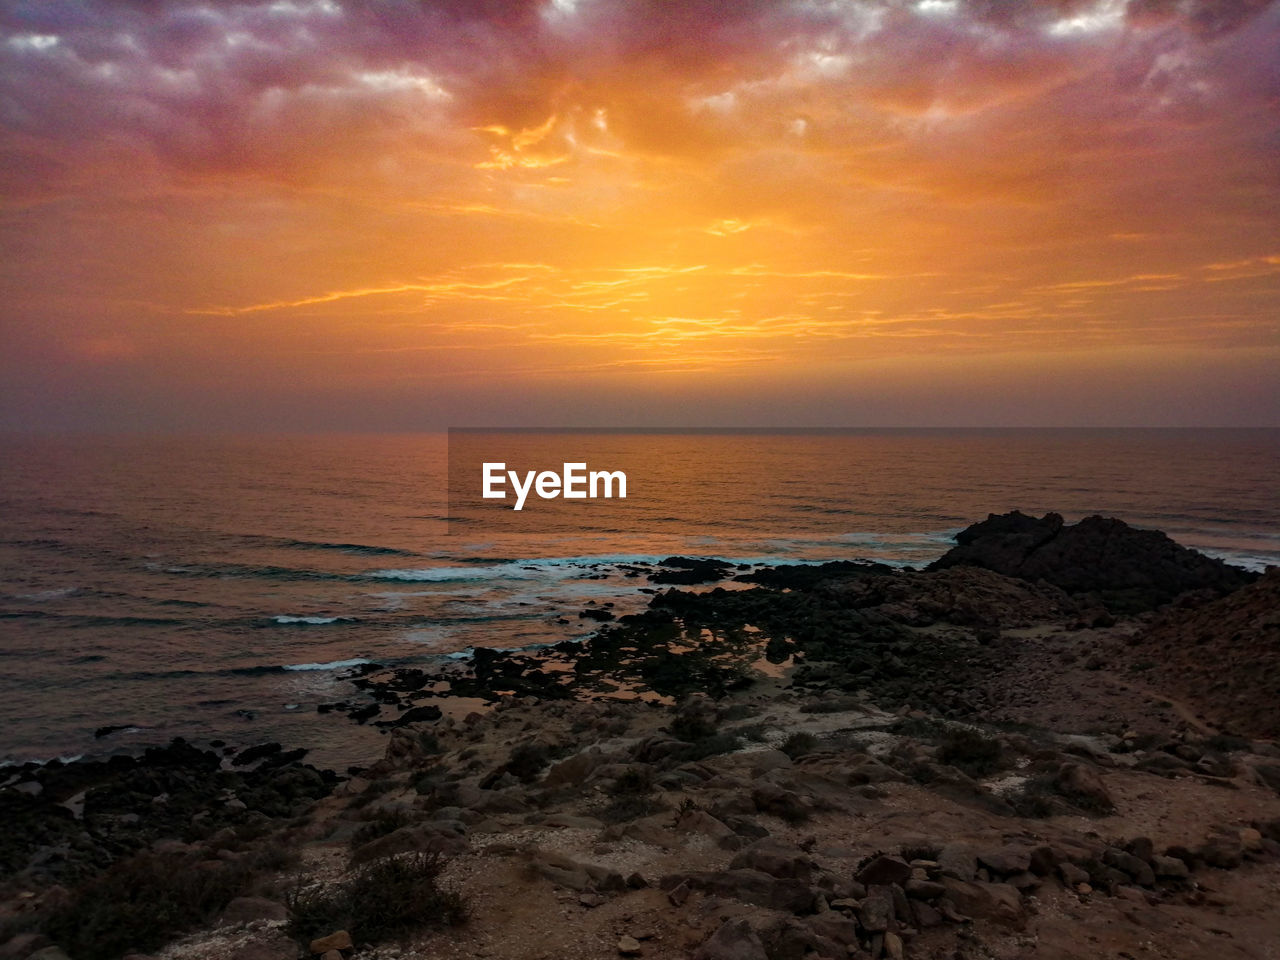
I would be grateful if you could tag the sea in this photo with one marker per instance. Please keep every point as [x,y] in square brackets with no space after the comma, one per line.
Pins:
[221,588]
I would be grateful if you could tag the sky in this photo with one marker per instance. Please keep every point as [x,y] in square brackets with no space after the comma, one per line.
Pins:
[329,215]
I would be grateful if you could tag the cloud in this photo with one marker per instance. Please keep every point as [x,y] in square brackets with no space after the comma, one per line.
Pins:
[268,86]
[760,185]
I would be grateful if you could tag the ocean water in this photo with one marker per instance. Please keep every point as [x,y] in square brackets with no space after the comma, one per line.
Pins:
[222,587]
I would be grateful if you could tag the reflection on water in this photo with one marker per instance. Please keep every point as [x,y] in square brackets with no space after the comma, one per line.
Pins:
[188,585]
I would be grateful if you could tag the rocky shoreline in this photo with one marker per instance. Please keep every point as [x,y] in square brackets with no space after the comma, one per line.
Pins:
[1019,751]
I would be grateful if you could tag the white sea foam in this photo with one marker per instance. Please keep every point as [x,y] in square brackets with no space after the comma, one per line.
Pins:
[314,621]
[539,568]
[42,595]
[333,665]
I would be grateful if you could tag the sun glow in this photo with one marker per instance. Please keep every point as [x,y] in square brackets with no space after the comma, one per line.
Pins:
[778,203]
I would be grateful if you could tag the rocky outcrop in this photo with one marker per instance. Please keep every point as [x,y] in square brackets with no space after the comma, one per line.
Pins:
[1127,568]
[1223,656]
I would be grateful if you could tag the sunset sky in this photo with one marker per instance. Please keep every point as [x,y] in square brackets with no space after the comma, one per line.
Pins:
[328,215]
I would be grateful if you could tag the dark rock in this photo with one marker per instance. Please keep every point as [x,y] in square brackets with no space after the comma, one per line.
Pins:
[428,837]
[924,889]
[884,870]
[792,939]
[1006,860]
[957,860]
[770,798]
[424,714]
[992,901]
[735,940]
[835,927]
[256,753]
[690,570]
[1043,860]
[776,858]
[925,915]
[1135,867]
[1129,568]
[876,911]
[1141,847]
[1169,867]
[755,887]
[341,940]
[1082,786]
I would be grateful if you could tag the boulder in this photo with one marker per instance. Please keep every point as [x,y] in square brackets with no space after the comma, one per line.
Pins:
[575,769]
[1138,569]
[1137,868]
[1082,786]
[777,858]
[883,870]
[1006,860]
[957,860]
[876,913]
[427,837]
[773,799]
[757,888]
[990,901]
[835,927]
[561,870]
[339,940]
[1169,867]
[699,821]
[735,940]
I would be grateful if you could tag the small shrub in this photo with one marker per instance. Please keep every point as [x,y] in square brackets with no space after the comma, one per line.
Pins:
[387,899]
[739,711]
[755,732]
[273,856]
[633,797]
[143,903]
[798,744]
[692,727]
[1035,799]
[429,743]
[970,752]
[527,760]
[634,781]
[1228,743]
[687,805]
[920,728]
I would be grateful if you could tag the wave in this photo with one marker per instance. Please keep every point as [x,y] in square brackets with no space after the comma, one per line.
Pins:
[39,596]
[332,665]
[311,621]
[1256,562]
[356,548]
[224,571]
[535,568]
